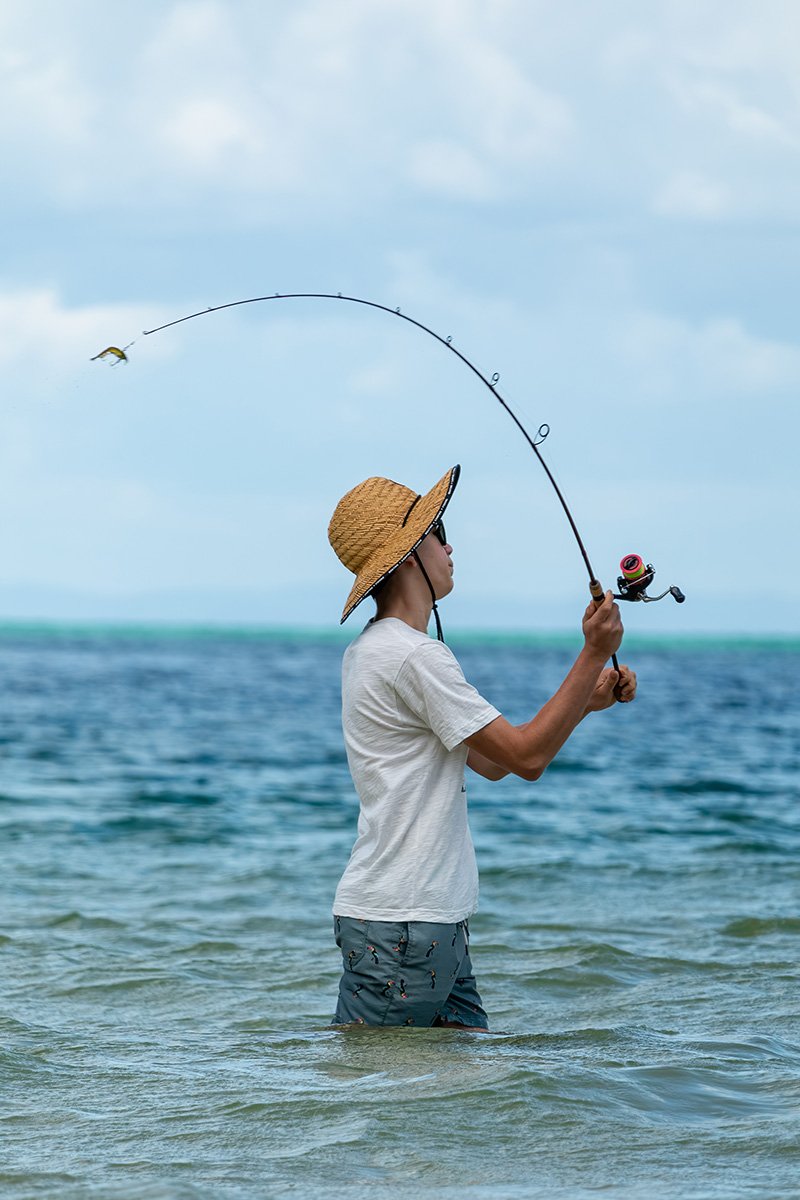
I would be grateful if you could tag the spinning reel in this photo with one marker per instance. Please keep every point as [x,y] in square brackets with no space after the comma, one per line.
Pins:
[636,578]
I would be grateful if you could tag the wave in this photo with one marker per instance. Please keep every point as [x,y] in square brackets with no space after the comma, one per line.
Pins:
[756,927]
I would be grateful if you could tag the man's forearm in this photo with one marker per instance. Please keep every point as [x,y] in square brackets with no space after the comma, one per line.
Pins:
[547,732]
[527,750]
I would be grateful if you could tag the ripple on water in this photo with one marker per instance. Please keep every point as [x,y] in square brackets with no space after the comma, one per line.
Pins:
[582,965]
[756,927]
[79,920]
[685,1095]
[712,786]
[756,1049]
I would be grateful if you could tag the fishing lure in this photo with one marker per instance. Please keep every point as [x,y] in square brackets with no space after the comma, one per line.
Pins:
[112,352]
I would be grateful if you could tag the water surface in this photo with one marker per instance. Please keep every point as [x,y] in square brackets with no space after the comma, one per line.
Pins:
[175,811]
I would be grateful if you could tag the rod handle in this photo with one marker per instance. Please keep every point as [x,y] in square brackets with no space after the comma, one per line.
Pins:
[597,592]
[596,588]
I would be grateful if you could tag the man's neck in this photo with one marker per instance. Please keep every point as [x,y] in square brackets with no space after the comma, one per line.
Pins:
[416,614]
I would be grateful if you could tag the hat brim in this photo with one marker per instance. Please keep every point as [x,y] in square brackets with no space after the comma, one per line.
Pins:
[424,515]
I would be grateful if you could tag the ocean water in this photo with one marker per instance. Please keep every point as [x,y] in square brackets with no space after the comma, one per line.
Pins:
[175,810]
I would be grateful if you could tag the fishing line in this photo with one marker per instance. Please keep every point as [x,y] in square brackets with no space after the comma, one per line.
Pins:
[630,589]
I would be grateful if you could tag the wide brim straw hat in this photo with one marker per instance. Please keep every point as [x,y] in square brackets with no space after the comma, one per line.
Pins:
[379,523]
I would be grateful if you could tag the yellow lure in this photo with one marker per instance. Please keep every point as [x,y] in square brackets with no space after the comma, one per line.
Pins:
[113,352]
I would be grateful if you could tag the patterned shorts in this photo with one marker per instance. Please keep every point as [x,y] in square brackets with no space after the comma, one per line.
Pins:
[406,973]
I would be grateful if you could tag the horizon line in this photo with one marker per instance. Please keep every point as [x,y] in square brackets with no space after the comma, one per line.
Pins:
[152,627]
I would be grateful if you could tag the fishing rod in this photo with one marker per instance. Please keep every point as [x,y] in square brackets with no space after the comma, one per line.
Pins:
[635,577]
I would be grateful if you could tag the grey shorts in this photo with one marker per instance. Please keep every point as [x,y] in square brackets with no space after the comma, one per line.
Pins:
[406,973]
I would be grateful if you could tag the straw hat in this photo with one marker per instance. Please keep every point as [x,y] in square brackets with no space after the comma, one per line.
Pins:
[378,524]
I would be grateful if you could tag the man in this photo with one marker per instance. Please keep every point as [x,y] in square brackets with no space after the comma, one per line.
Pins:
[411,725]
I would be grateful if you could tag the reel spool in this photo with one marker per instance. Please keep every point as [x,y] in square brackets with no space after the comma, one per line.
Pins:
[636,577]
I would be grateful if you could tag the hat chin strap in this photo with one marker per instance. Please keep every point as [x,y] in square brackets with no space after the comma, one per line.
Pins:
[426,577]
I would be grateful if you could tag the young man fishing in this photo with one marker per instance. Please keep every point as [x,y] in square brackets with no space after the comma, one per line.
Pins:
[411,725]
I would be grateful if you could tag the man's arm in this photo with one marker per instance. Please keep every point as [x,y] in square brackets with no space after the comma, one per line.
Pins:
[610,688]
[527,750]
[482,765]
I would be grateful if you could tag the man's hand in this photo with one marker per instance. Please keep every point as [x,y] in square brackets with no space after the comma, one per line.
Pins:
[602,626]
[603,695]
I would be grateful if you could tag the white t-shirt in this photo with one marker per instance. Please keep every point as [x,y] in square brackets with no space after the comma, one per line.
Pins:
[406,709]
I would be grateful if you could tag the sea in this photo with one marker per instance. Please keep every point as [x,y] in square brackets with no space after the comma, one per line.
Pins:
[175,811]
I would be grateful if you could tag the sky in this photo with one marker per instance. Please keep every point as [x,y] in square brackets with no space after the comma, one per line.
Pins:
[599,201]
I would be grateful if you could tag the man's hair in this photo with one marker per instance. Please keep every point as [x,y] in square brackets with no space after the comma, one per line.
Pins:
[380,588]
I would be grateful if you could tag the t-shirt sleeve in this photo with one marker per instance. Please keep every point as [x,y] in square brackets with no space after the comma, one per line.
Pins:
[431,683]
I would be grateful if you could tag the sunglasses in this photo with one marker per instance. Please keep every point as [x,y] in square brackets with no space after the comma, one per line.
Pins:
[438,531]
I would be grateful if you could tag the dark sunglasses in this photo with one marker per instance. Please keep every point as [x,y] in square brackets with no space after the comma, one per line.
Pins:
[438,530]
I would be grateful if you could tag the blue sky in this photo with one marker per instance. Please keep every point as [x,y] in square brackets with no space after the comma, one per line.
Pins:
[598,200]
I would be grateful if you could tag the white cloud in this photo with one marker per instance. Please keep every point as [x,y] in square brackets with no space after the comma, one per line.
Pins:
[740,116]
[452,170]
[691,194]
[205,132]
[37,329]
[715,357]
[198,31]
[625,49]
[501,124]
[46,96]
[308,99]
[314,106]
[732,39]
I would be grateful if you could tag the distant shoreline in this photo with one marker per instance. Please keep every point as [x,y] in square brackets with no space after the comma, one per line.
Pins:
[11,629]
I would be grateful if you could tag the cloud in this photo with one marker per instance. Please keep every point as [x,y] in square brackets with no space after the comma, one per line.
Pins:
[205,132]
[722,105]
[451,170]
[252,112]
[503,119]
[39,331]
[713,358]
[691,194]
[249,105]
[46,97]
[623,50]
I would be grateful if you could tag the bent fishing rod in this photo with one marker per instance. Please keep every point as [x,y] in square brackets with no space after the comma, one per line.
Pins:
[636,575]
